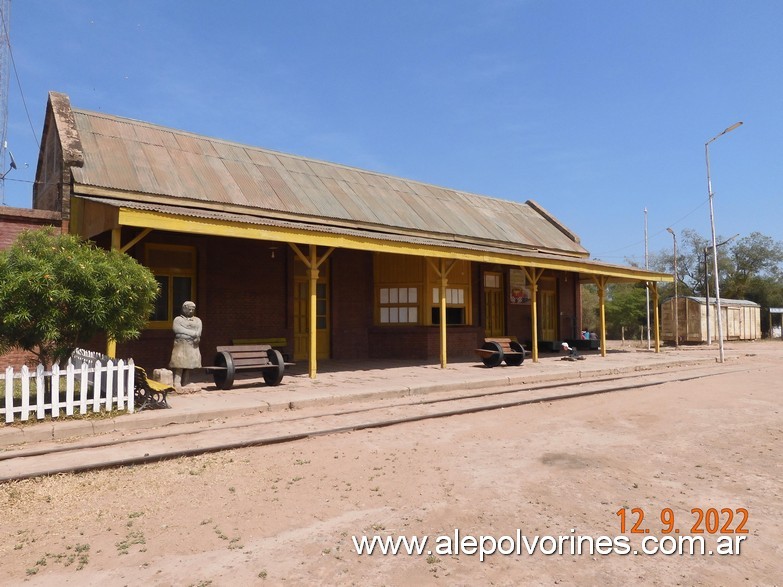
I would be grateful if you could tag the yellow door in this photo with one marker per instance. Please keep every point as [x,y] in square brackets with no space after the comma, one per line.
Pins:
[548,315]
[494,321]
[322,321]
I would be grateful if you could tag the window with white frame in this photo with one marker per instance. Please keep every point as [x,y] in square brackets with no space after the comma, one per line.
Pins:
[399,305]
[455,305]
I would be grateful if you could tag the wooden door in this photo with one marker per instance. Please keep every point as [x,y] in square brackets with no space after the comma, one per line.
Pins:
[548,315]
[733,328]
[494,319]
[322,319]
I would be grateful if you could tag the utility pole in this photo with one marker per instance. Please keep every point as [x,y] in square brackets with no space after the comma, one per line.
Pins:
[5,75]
[647,289]
[714,242]
[676,301]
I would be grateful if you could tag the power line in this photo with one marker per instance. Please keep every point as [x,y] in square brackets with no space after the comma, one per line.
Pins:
[637,243]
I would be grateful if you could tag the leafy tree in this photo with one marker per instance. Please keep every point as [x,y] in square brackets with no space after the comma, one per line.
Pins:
[690,275]
[625,307]
[754,257]
[750,268]
[57,292]
[590,311]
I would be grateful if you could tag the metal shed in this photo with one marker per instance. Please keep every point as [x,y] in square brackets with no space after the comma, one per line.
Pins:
[741,319]
[776,330]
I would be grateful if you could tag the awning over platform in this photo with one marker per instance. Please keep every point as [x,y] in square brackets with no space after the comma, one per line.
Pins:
[94,215]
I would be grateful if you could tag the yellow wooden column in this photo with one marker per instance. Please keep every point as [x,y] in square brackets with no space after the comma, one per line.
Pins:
[443,283]
[534,316]
[533,276]
[656,325]
[116,245]
[442,270]
[312,263]
[601,281]
[312,314]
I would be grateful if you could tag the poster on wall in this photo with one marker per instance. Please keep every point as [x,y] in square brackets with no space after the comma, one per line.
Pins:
[520,292]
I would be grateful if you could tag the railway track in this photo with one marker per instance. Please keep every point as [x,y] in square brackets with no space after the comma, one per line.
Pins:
[115,450]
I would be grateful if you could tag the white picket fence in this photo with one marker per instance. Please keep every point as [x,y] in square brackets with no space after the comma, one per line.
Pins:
[86,389]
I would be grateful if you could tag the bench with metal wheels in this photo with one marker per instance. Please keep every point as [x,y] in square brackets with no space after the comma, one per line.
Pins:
[147,393]
[248,357]
[494,351]
[279,343]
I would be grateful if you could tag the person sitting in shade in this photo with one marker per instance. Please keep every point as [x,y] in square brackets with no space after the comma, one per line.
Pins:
[185,355]
[572,354]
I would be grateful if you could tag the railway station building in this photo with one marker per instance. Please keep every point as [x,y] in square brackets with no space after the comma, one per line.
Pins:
[324,260]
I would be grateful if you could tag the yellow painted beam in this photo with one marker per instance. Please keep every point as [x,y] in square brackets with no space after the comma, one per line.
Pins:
[312,263]
[313,313]
[442,270]
[127,246]
[601,281]
[301,255]
[216,227]
[533,276]
[75,223]
[656,324]
[602,301]
[324,257]
[116,245]
[443,283]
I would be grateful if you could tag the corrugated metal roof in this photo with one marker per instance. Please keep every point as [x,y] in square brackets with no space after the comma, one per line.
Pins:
[583,266]
[723,301]
[145,161]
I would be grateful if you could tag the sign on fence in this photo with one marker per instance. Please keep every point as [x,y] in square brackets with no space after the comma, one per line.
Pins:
[81,357]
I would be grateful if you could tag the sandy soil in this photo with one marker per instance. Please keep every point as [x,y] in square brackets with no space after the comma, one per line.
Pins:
[286,514]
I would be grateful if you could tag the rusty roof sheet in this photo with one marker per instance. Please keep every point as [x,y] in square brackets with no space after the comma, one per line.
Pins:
[585,267]
[145,161]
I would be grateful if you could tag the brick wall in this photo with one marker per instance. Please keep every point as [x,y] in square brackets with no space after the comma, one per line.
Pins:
[570,321]
[242,293]
[245,293]
[422,342]
[12,222]
[352,303]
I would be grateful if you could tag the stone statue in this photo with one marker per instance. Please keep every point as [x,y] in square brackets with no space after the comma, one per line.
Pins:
[185,355]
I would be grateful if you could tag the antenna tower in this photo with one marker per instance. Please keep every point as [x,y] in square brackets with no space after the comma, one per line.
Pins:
[5,76]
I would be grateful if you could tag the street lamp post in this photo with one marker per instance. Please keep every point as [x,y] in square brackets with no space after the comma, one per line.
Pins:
[676,303]
[707,285]
[714,243]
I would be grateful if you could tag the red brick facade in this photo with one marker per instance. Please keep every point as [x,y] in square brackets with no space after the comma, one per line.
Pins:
[244,292]
[12,222]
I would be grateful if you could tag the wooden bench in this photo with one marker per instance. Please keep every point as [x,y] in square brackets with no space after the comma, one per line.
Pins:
[496,350]
[247,357]
[279,343]
[149,394]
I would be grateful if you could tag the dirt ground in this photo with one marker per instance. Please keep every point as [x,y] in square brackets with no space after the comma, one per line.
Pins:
[286,514]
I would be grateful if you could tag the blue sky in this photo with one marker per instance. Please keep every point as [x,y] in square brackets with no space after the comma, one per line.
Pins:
[596,109]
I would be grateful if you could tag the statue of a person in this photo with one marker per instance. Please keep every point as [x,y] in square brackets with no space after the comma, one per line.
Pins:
[185,355]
